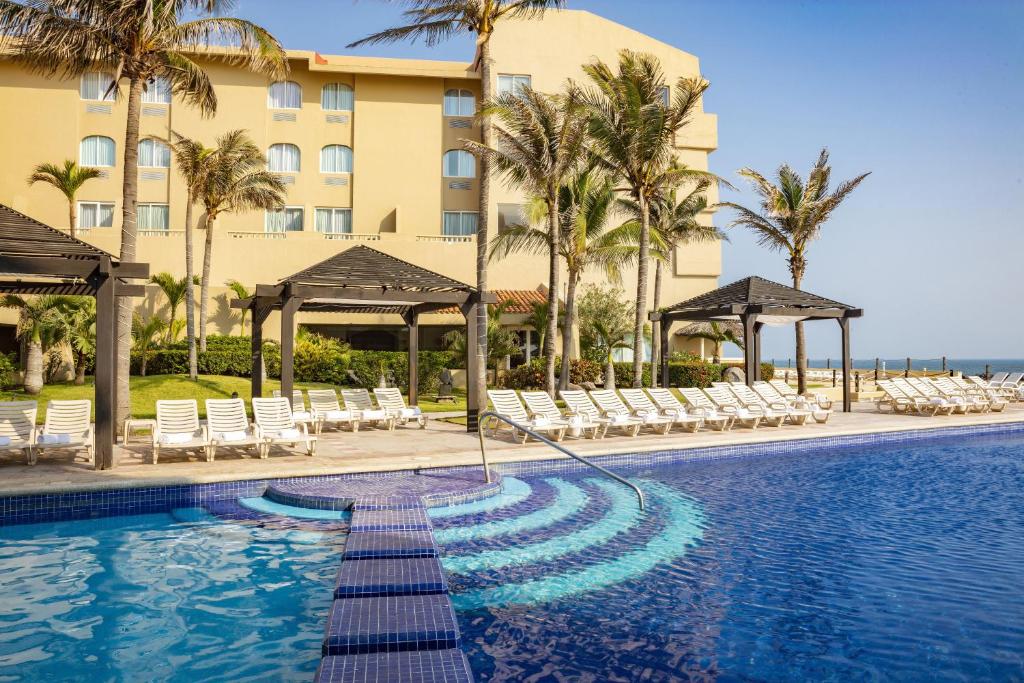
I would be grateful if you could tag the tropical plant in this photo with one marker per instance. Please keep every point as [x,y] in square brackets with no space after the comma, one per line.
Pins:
[140,41]
[174,290]
[240,292]
[717,333]
[537,318]
[69,179]
[438,20]
[792,213]
[145,333]
[633,134]
[501,341]
[41,325]
[540,144]
[237,180]
[605,324]
[81,334]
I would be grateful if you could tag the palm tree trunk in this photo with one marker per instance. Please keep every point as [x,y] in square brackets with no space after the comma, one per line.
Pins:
[80,368]
[34,368]
[801,349]
[656,327]
[552,332]
[129,233]
[641,291]
[567,323]
[142,366]
[204,286]
[609,372]
[482,222]
[72,224]
[190,294]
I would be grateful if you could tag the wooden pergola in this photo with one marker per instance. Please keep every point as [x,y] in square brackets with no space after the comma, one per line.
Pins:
[756,302]
[364,280]
[38,259]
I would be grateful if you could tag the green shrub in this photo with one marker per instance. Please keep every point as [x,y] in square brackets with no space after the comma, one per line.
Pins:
[367,367]
[8,369]
[624,374]
[698,374]
[531,375]
[767,372]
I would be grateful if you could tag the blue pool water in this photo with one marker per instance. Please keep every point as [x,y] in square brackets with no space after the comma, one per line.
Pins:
[890,562]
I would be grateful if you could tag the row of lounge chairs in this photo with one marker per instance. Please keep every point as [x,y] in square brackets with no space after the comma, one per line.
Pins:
[386,408]
[68,425]
[628,411]
[943,396]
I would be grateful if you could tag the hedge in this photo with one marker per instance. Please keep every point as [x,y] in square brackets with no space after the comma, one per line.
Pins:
[531,375]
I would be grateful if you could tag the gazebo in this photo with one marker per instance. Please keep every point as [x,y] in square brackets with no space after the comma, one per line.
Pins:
[38,259]
[364,280]
[757,302]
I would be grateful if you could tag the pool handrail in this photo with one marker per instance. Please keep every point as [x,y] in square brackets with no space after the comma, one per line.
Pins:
[558,447]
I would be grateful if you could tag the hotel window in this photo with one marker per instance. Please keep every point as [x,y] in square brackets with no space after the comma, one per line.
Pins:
[512,84]
[158,91]
[337,97]
[288,219]
[283,158]
[459,103]
[458,163]
[95,214]
[336,159]
[284,95]
[154,154]
[153,217]
[331,220]
[459,223]
[666,95]
[95,85]
[96,150]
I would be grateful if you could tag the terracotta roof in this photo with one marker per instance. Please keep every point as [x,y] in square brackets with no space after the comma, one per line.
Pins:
[521,301]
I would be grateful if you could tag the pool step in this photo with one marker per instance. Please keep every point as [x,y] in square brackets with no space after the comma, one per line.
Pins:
[387,503]
[389,545]
[379,578]
[427,666]
[406,519]
[391,624]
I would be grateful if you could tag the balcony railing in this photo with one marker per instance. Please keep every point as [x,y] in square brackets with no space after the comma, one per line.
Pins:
[258,235]
[450,239]
[351,236]
[160,233]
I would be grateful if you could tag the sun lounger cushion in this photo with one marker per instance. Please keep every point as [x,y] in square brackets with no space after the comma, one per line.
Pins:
[618,419]
[301,415]
[373,414]
[175,438]
[410,412]
[541,421]
[338,415]
[230,436]
[54,438]
[285,434]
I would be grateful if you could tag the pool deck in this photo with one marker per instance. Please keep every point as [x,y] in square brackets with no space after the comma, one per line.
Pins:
[441,444]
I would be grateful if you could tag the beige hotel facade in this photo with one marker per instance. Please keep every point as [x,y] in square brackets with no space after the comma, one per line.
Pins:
[369,150]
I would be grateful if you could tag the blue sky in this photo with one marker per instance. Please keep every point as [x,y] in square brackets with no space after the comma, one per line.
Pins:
[928,96]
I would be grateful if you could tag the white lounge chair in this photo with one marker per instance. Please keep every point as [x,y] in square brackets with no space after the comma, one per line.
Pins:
[275,425]
[997,401]
[610,405]
[392,401]
[925,389]
[772,396]
[698,400]
[323,403]
[68,425]
[921,404]
[772,409]
[540,404]
[359,402]
[641,404]
[989,387]
[577,402]
[18,427]
[507,404]
[789,392]
[229,427]
[670,405]
[997,379]
[727,402]
[177,428]
[300,413]
[948,389]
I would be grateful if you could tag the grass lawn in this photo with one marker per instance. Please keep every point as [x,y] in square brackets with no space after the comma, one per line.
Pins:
[146,391]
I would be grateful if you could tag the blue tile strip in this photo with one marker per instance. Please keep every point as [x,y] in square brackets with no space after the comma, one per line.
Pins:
[390,624]
[388,577]
[390,545]
[426,666]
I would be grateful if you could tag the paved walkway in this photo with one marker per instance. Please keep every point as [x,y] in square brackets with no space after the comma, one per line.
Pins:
[440,444]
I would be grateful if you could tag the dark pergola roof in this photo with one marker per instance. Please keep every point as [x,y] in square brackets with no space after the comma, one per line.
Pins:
[21,235]
[760,296]
[368,268]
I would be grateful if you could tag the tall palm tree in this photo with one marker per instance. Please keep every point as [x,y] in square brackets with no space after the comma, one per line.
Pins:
[633,136]
[69,179]
[240,292]
[174,290]
[540,145]
[39,319]
[435,21]
[792,213]
[236,181]
[193,161]
[144,335]
[139,41]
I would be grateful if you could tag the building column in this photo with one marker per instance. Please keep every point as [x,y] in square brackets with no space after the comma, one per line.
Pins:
[413,324]
[844,327]
[749,347]
[288,309]
[106,366]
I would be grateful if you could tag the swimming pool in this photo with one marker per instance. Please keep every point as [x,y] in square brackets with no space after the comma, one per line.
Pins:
[895,561]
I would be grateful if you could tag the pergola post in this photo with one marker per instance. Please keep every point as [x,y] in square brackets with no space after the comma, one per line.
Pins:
[289,306]
[259,316]
[472,396]
[757,351]
[844,327]
[663,358]
[106,362]
[749,321]
[412,323]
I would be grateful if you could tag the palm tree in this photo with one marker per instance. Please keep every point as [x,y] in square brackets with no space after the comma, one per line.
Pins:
[240,292]
[605,324]
[633,137]
[540,144]
[792,213]
[174,289]
[69,179]
[438,20]
[144,335]
[718,333]
[501,341]
[140,41]
[537,320]
[81,334]
[192,159]
[236,181]
[39,319]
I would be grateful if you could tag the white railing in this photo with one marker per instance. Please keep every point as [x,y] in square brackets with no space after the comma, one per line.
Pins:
[351,236]
[258,235]
[450,239]
[160,233]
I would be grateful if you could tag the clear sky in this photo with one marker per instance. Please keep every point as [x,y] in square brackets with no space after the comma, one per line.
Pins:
[927,95]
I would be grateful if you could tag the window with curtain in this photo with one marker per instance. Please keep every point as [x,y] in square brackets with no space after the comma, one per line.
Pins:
[154,154]
[458,163]
[666,95]
[459,223]
[96,150]
[157,92]
[336,159]
[284,95]
[94,86]
[288,219]
[337,97]
[283,158]
[333,220]
[95,214]
[153,216]
[459,103]
[512,83]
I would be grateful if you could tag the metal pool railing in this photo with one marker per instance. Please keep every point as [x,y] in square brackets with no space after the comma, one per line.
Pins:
[558,447]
